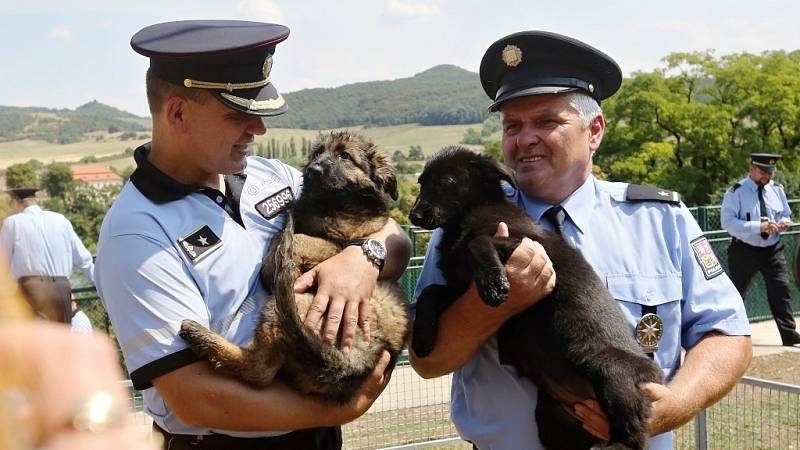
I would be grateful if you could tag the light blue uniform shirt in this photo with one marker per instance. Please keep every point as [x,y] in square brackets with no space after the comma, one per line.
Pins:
[741,212]
[149,280]
[648,253]
[38,242]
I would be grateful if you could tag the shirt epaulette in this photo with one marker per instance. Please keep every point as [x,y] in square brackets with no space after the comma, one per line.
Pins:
[735,187]
[639,193]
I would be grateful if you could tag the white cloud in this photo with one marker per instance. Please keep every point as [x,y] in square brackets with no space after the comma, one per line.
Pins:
[60,33]
[261,10]
[412,9]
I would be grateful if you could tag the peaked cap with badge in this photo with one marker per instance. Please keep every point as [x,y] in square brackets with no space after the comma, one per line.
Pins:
[765,161]
[232,59]
[540,62]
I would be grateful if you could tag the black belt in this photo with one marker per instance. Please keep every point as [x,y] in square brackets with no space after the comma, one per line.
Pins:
[753,247]
[329,438]
[41,278]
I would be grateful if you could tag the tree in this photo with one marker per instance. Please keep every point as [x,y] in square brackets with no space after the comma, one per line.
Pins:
[57,179]
[415,153]
[472,137]
[21,175]
[493,149]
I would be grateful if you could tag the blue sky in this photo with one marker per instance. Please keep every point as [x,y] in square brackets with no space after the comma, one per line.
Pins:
[63,53]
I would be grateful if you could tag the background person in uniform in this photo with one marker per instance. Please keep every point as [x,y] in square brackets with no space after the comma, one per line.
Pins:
[43,249]
[185,239]
[642,241]
[755,212]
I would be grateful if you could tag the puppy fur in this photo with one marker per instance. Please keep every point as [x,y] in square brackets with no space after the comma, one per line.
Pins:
[345,184]
[573,344]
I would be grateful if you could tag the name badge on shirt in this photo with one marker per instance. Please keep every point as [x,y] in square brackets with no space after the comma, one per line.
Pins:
[199,244]
[275,203]
[706,257]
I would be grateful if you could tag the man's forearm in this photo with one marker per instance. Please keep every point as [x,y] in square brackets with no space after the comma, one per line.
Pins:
[201,397]
[463,328]
[398,250]
[710,370]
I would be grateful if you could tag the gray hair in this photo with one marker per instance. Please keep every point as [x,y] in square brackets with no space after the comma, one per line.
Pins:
[585,105]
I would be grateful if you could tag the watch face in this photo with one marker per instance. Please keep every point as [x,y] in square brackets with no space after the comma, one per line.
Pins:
[376,248]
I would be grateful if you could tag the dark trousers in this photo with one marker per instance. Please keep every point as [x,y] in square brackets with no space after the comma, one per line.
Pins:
[49,297]
[329,438]
[745,260]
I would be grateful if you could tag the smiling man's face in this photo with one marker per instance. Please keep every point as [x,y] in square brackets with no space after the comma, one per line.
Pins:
[547,145]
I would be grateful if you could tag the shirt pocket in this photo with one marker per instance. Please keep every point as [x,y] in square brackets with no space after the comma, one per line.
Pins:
[639,294]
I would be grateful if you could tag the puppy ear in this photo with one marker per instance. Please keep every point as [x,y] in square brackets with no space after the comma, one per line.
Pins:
[503,171]
[384,173]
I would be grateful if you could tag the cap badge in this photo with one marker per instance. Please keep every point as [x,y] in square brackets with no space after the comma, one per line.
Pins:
[512,55]
[649,331]
[267,67]
[591,88]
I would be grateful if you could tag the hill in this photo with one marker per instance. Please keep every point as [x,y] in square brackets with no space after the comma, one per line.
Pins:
[65,126]
[442,95]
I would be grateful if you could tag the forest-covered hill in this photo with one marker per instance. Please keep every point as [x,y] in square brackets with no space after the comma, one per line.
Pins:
[442,95]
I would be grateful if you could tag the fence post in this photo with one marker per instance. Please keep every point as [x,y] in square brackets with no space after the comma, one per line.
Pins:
[702,217]
[701,431]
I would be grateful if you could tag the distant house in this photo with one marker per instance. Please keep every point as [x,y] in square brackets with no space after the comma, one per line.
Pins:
[96,175]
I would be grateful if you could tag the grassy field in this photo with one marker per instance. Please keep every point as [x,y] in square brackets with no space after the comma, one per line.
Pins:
[389,139]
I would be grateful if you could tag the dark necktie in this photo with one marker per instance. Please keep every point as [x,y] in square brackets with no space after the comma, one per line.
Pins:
[556,216]
[763,207]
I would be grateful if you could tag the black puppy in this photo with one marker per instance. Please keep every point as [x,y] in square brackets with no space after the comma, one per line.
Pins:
[573,344]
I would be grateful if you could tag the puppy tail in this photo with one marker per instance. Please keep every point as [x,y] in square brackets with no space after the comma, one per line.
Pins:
[299,338]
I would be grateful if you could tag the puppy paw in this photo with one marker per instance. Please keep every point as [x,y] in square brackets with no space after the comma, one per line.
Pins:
[195,334]
[422,344]
[493,289]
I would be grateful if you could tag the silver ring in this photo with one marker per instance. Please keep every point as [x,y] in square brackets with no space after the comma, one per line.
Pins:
[97,413]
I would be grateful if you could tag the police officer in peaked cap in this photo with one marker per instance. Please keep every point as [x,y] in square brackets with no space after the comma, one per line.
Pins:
[185,240]
[641,240]
[755,212]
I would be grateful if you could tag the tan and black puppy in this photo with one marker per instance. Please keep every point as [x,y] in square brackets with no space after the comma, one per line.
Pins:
[345,184]
[574,344]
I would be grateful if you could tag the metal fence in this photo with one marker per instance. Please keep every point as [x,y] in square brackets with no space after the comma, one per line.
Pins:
[413,413]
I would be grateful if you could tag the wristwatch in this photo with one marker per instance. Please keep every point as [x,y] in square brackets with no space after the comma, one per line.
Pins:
[374,250]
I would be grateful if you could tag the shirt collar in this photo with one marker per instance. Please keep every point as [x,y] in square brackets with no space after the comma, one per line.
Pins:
[155,184]
[578,205]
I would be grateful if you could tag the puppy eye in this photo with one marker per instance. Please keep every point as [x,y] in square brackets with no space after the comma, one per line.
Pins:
[345,156]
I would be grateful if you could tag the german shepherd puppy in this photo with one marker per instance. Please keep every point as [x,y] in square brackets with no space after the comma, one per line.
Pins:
[345,182]
[573,344]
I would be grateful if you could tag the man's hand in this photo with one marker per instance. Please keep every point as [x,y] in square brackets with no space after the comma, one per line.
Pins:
[784,224]
[529,271]
[50,374]
[370,390]
[594,419]
[344,288]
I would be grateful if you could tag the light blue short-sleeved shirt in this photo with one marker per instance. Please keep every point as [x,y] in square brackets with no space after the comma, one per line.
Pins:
[169,252]
[741,212]
[39,242]
[650,254]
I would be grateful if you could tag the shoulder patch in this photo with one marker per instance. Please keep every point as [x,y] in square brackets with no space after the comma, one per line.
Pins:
[735,187]
[639,193]
[706,258]
[275,203]
[199,244]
